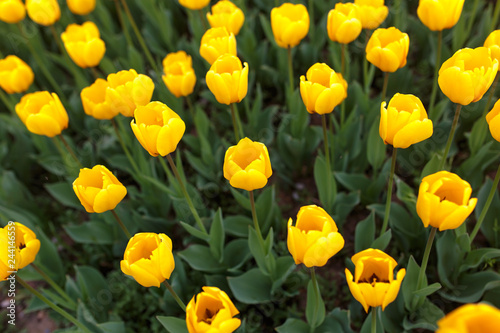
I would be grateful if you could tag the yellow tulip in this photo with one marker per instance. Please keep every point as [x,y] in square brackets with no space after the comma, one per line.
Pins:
[211,311]
[315,238]
[97,101]
[179,73]
[467,75]
[43,12]
[438,15]
[194,4]
[15,75]
[247,165]
[226,14]
[404,122]
[372,12]
[158,128]
[148,259]
[444,200]
[492,42]
[42,113]
[290,24]
[12,11]
[373,283]
[81,7]
[323,89]
[387,49]
[343,23]
[216,42]
[493,119]
[227,79]
[83,44]
[471,318]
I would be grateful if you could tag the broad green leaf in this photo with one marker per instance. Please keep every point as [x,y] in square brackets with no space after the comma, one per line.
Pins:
[252,287]
[173,324]
[199,257]
[217,236]
[293,325]
[91,233]
[315,309]
[364,234]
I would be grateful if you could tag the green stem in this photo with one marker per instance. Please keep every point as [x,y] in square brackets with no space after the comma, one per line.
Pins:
[436,71]
[397,16]
[256,221]
[202,19]
[470,22]
[120,223]
[276,3]
[190,106]
[72,153]
[56,37]
[95,74]
[174,294]
[317,293]
[490,95]
[450,137]
[54,285]
[122,23]
[374,319]
[343,48]
[7,103]
[325,143]
[496,14]
[389,192]
[235,124]
[290,70]
[425,259]
[124,147]
[384,87]
[311,19]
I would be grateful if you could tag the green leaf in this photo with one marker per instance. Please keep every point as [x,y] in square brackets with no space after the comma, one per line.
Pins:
[216,242]
[94,289]
[336,321]
[91,233]
[478,135]
[477,257]
[431,166]
[382,241]
[200,258]
[293,325]
[409,284]
[365,233]
[427,315]
[236,253]
[315,309]
[375,151]
[252,287]
[428,290]
[113,327]
[195,232]
[284,266]
[325,183]
[173,324]
[237,225]
[259,251]
[471,287]
[241,199]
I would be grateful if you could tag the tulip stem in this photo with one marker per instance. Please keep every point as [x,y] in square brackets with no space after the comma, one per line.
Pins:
[7,103]
[54,285]
[389,192]
[343,48]
[185,193]
[374,319]
[311,18]
[58,40]
[235,124]
[384,87]
[425,259]
[317,293]
[94,72]
[202,19]
[124,147]
[325,143]
[122,23]
[70,150]
[470,22]
[486,206]
[174,294]
[450,137]
[190,106]
[437,65]
[290,70]
[496,14]
[53,306]
[120,223]
[256,222]
[368,76]
[490,96]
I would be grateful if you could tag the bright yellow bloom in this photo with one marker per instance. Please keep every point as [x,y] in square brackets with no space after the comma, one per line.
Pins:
[216,42]
[42,113]
[247,165]
[471,318]
[444,200]
[438,15]
[372,12]
[323,90]
[404,122]
[373,283]
[343,23]
[23,252]
[290,24]
[467,75]
[179,73]
[211,311]
[194,4]
[315,238]
[227,79]
[81,7]
[148,259]
[43,12]
[387,49]
[83,44]
[493,43]
[158,128]
[15,75]
[226,14]
[493,119]
[12,11]
[98,103]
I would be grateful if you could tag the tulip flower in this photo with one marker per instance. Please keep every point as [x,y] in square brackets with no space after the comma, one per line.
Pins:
[98,100]
[373,282]
[81,7]
[404,122]
[12,11]
[467,75]
[15,75]
[493,43]
[42,113]
[148,259]
[211,311]
[322,89]
[98,189]
[43,12]
[83,44]
[290,24]
[387,49]
[438,15]
[372,12]
[216,42]
[227,79]
[315,238]
[471,318]
[493,119]
[18,248]
[247,165]
[226,14]
[444,200]
[344,23]
[194,4]
[179,73]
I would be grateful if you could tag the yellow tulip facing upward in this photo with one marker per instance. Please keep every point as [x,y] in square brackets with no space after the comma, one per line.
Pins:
[98,101]
[81,7]
[84,44]
[373,282]
[290,24]
[493,119]
[344,23]
[227,79]
[372,12]
[471,318]
[216,42]
[438,15]
[12,11]
[226,14]
[179,76]
[492,42]
[387,49]
[26,247]
[15,75]
[43,12]
[194,4]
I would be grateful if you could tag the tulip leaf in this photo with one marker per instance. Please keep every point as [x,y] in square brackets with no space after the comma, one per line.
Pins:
[477,257]
[63,192]
[375,151]
[432,166]
[84,316]
[95,290]
[382,241]
[491,224]
[200,258]
[449,257]
[325,183]
[216,242]
[477,135]
[284,266]
[343,205]
[428,290]
[427,315]
[409,284]
[252,287]
[262,251]
[237,225]
[293,325]
[195,232]
[471,287]
[236,253]
[365,233]
[173,324]
[241,199]
[463,241]
[315,309]
[91,233]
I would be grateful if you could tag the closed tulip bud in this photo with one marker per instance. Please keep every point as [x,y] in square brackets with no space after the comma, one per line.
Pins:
[43,12]
[387,49]
[438,15]
[194,4]
[322,89]
[492,42]
[18,248]
[12,11]
[227,79]
[467,75]
[226,14]
[179,73]
[216,42]
[471,318]
[247,165]
[404,122]
[98,102]
[42,113]
[81,7]
[373,282]
[148,259]
[493,119]
[444,200]
[371,12]
[315,238]
[343,23]
[290,24]
[83,44]
[15,75]
[98,189]
[158,128]
[211,311]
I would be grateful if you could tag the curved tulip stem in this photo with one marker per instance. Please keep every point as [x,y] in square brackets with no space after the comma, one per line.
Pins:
[325,143]
[95,74]
[425,259]
[436,71]
[122,23]
[120,223]
[496,14]
[70,150]
[317,294]
[490,95]
[174,294]
[54,285]
[450,137]
[384,87]
[235,124]
[56,37]
[374,320]
[124,146]
[256,221]
[343,49]
[486,206]
[202,19]
[389,192]
[290,69]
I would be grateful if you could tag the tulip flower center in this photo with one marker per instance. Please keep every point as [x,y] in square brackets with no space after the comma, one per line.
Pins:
[22,246]
[450,191]
[175,69]
[243,157]
[208,308]
[373,279]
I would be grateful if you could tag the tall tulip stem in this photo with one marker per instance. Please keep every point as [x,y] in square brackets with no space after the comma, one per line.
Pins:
[124,146]
[317,294]
[256,221]
[389,192]
[120,223]
[122,23]
[496,14]
[190,106]
[384,87]
[7,103]
[202,19]
[290,70]
[450,137]
[70,150]
[54,285]
[374,319]
[174,294]
[311,18]
[436,71]
[343,48]
[368,75]
[425,259]
[470,22]
[235,124]
[490,95]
